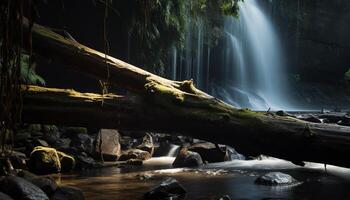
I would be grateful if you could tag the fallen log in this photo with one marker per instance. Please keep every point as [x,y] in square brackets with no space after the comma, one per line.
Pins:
[177,106]
[252,134]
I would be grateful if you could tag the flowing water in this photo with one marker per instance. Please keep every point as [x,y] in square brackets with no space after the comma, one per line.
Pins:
[251,68]
[234,178]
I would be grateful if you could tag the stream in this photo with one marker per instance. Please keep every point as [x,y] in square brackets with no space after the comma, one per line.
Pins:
[234,178]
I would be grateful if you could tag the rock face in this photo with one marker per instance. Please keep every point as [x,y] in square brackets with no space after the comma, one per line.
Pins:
[135,154]
[168,189]
[187,158]
[44,160]
[19,188]
[107,144]
[275,178]
[68,193]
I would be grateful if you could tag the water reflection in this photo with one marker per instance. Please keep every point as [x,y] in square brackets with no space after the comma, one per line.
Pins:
[235,179]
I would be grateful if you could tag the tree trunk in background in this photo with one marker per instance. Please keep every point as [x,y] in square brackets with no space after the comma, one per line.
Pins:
[174,107]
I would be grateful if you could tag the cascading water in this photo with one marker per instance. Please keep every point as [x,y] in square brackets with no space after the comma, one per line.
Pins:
[257,58]
[250,69]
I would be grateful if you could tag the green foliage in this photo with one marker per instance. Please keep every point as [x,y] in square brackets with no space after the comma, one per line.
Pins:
[28,74]
[156,26]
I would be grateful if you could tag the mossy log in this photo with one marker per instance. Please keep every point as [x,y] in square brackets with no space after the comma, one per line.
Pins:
[176,107]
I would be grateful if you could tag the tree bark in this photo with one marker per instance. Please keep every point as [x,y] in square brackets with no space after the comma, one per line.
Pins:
[178,107]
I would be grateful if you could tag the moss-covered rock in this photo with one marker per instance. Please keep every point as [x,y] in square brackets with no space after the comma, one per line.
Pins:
[44,160]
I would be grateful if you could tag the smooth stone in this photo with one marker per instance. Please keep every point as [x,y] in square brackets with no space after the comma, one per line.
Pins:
[187,158]
[275,178]
[68,193]
[21,189]
[168,189]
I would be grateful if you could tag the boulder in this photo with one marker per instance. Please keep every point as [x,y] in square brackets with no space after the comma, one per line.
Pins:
[4,196]
[147,144]
[107,144]
[68,193]
[187,158]
[212,153]
[127,142]
[275,178]
[21,189]
[67,161]
[46,184]
[134,154]
[44,160]
[168,189]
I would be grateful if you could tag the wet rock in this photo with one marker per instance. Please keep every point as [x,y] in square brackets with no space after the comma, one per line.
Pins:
[275,178]
[134,154]
[232,154]
[212,153]
[46,184]
[187,158]
[49,129]
[209,152]
[68,193]
[107,144]
[333,117]
[67,162]
[5,196]
[168,189]
[21,189]
[44,160]
[135,162]
[284,114]
[147,144]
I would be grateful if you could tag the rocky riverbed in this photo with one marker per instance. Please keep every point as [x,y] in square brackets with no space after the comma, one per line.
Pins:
[56,162]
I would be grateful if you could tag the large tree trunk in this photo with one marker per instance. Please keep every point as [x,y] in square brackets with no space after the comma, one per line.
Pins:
[174,106]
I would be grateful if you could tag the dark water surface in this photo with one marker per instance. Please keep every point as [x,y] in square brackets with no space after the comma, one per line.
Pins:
[235,178]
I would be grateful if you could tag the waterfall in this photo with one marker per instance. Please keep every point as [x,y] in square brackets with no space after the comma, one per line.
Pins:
[247,68]
[173,151]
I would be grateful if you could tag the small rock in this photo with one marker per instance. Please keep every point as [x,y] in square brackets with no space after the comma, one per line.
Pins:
[147,144]
[275,178]
[68,193]
[187,158]
[84,162]
[107,144]
[19,188]
[168,189]
[134,154]
[135,162]
[44,160]
[40,142]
